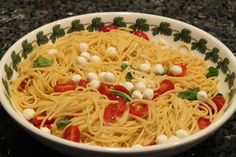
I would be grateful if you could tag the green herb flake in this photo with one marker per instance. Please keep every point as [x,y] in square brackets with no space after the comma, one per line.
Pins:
[190,94]
[42,62]
[129,77]
[62,123]
[212,71]
[123,66]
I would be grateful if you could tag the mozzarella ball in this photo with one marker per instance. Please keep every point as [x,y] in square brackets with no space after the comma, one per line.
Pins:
[159,69]
[137,95]
[85,55]
[92,76]
[109,77]
[181,133]
[137,146]
[148,93]
[161,139]
[83,47]
[202,95]
[173,139]
[52,51]
[111,51]
[140,86]
[76,78]
[28,113]
[81,60]
[129,86]
[45,130]
[145,67]
[176,70]
[94,84]
[95,58]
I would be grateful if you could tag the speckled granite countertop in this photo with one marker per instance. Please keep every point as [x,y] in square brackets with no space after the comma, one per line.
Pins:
[18,17]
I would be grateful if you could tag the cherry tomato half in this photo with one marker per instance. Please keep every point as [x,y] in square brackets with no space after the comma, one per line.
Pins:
[83,83]
[203,123]
[121,88]
[165,86]
[64,87]
[139,110]
[219,101]
[141,34]
[37,122]
[110,112]
[107,28]
[121,105]
[103,89]
[72,133]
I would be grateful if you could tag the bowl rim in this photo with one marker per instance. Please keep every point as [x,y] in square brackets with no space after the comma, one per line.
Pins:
[191,139]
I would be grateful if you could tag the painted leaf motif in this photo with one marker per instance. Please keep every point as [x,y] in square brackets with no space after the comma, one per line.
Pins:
[184,36]
[27,48]
[75,26]
[140,24]
[223,65]
[213,55]
[5,84]
[15,60]
[96,24]
[41,38]
[118,21]
[230,79]
[57,32]
[9,71]
[163,28]
[200,45]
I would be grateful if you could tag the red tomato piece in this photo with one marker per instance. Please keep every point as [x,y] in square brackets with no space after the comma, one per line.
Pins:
[107,28]
[139,110]
[203,123]
[184,70]
[110,112]
[165,86]
[72,133]
[64,87]
[121,105]
[141,34]
[113,97]
[121,88]
[103,89]
[83,83]
[219,101]
[36,122]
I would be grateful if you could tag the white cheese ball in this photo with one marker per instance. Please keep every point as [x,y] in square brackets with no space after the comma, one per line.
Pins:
[83,47]
[161,139]
[176,70]
[28,113]
[202,95]
[81,60]
[145,67]
[129,86]
[173,139]
[137,95]
[109,77]
[136,146]
[94,84]
[159,69]
[85,55]
[52,51]
[95,58]
[181,133]
[140,86]
[111,51]
[45,130]
[92,76]
[76,78]
[148,93]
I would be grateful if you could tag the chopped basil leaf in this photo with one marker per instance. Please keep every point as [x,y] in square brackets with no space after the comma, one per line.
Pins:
[124,66]
[129,77]
[190,94]
[62,123]
[42,62]
[165,71]
[212,71]
[121,94]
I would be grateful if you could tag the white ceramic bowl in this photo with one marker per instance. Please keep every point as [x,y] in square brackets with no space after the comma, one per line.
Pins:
[169,30]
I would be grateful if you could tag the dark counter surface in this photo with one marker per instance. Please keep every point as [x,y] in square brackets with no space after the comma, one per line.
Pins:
[18,17]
